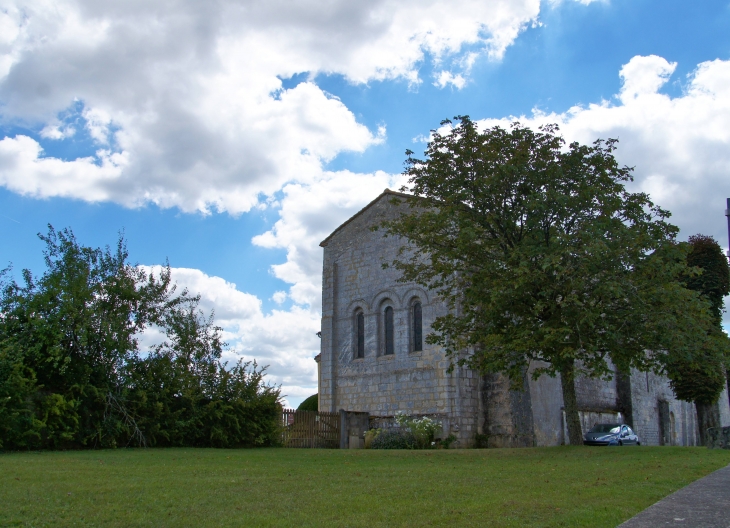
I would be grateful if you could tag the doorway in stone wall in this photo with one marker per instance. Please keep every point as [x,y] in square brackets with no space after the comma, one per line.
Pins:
[665,424]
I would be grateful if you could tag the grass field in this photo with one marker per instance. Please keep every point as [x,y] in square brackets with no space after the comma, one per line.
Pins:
[561,486]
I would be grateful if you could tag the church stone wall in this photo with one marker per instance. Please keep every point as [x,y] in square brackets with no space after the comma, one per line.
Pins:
[417,382]
[596,395]
[547,405]
[414,382]
[659,418]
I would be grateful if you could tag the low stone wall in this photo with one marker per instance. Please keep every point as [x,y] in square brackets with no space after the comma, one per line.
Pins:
[719,438]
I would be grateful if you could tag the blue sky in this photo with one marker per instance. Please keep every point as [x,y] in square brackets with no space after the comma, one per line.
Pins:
[231,138]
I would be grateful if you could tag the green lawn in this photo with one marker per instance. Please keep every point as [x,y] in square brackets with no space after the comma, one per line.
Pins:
[560,486]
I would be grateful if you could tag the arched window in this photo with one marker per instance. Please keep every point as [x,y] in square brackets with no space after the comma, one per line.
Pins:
[389,337]
[417,327]
[359,335]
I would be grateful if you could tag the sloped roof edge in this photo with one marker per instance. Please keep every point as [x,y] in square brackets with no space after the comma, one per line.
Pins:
[361,211]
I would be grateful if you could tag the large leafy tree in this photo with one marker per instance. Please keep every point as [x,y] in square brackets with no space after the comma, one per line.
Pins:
[701,377]
[68,334]
[544,258]
[72,374]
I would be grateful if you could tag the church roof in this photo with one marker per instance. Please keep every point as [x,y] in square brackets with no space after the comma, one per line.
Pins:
[361,211]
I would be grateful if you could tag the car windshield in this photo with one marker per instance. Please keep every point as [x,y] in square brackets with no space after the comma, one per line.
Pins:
[605,428]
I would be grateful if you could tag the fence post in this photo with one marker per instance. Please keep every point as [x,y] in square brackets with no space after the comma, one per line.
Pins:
[343,429]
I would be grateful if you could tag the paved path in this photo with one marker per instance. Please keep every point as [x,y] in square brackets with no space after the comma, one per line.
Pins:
[703,504]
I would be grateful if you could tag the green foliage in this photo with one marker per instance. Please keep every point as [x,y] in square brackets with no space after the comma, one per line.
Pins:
[544,258]
[72,375]
[370,435]
[310,404]
[394,439]
[423,429]
[713,280]
[446,442]
[700,377]
[481,441]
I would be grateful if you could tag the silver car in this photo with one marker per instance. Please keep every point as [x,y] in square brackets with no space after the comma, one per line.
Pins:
[611,435]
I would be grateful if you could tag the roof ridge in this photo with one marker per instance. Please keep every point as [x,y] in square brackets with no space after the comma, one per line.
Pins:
[386,191]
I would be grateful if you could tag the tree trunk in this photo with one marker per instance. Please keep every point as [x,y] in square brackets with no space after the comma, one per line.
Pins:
[570,402]
[708,415]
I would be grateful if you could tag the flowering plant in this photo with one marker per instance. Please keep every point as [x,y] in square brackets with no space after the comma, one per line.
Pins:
[424,429]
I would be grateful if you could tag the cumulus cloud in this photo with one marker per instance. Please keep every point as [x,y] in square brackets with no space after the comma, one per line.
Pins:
[446,78]
[57,131]
[25,171]
[279,297]
[286,341]
[190,95]
[679,146]
[309,213]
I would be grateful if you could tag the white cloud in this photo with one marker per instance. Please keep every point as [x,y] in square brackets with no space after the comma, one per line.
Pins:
[445,78]
[286,341]
[644,76]
[279,297]
[309,213]
[189,94]
[23,170]
[57,131]
[679,146]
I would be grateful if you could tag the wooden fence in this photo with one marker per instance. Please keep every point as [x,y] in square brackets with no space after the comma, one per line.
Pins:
[310,429]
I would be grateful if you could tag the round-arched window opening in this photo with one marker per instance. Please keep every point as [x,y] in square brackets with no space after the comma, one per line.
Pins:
[389,331]
[359,335]
[417,324]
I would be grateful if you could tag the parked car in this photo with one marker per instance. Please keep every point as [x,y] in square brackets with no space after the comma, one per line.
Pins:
[611,435]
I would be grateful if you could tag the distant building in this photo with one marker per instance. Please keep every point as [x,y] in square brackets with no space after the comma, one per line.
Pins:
[374,359]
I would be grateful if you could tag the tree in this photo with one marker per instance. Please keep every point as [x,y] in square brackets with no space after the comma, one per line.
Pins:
[70,332]
[310,404]
[701,378]
[713,280]
[544,258]
[72,374]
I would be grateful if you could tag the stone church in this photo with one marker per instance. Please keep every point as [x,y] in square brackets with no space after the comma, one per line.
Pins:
[374,359]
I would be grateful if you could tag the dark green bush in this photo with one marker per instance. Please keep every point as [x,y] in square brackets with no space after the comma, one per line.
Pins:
[394,439]
[481,441]
[310,404]
[72,375]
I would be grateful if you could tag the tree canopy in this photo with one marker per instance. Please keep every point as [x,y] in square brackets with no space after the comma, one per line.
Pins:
[72,374]
[701,377]
[713,277]
[544,257]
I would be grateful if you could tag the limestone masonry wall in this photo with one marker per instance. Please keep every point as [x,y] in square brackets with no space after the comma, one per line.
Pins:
[409,381]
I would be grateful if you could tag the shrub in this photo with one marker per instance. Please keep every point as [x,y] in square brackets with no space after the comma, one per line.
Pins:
[73,375]
[310,404]
[481,441]
[394,439]
[446,442]
[370,436]
[423,429]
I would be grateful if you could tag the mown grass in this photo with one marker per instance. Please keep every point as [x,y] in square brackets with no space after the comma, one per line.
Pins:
[562,486]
